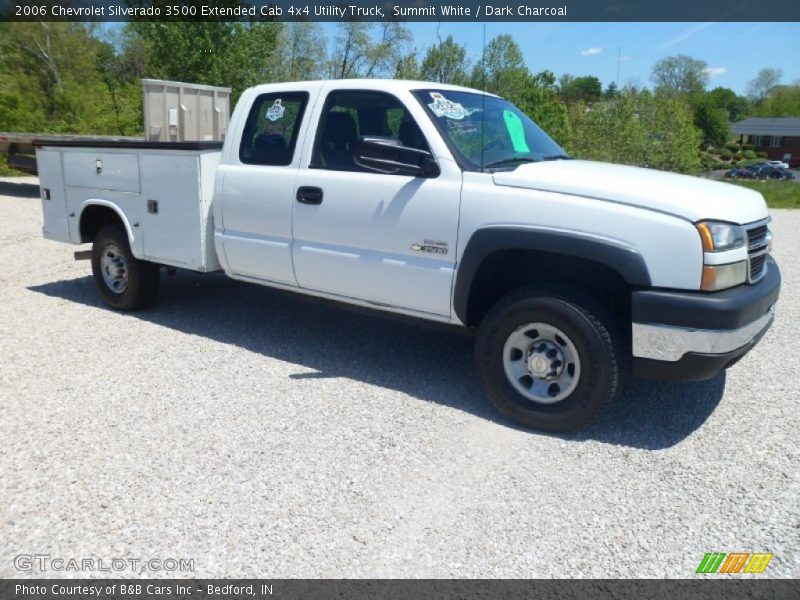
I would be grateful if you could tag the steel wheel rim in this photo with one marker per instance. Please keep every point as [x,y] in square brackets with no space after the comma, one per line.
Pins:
[114,268]
[541,362]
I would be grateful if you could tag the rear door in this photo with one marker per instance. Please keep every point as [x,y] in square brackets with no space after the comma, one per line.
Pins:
[257,187]
[384,239]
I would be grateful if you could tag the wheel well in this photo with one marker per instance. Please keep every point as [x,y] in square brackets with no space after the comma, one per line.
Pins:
[94,218]
[506,270]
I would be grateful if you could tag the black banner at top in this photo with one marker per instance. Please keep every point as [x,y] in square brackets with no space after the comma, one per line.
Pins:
[400,10]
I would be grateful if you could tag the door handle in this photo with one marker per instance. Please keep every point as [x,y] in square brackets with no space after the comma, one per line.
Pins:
[309,195]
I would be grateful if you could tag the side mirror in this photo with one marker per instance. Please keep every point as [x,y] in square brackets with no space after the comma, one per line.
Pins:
[388,155]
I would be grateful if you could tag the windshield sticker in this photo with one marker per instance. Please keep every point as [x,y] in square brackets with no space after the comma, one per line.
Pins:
[516,131]
[442,107]
[275,111]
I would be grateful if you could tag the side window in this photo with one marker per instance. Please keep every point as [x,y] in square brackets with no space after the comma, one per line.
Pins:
[270,133]
[347,115]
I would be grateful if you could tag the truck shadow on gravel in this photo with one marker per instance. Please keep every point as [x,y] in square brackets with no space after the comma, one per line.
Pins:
[426,362]
[21,189]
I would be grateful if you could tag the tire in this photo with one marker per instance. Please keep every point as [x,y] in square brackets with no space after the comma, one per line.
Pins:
[544,335]
[124,282]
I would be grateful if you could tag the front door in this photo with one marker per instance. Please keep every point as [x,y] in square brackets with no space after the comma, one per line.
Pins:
[384,239]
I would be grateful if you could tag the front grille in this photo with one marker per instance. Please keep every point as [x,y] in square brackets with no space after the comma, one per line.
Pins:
[757,247]
[757,236]
[757,264]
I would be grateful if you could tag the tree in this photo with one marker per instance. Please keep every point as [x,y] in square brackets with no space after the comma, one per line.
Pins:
[407,67]
[637,128]
[759,87]
[303,51]
[383,56]
[501,70]
[735,106]
[351,47]
[680,74]
[611,90]
[580,89]
[712,120]
[782,101]
[446,62]
[230,54]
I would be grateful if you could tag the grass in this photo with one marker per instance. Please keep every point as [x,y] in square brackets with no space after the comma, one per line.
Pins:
[778,194]
[6,171]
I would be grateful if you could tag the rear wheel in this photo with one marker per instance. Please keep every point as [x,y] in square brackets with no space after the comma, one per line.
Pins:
[549,358]
[124,282]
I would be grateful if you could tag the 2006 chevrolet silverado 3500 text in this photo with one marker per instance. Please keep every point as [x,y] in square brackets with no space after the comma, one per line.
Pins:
[444,203]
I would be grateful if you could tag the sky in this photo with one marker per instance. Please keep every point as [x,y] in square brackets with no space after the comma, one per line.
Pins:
[734,51]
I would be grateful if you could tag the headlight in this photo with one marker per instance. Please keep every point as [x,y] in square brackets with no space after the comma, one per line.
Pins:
[717,236]
[722,277]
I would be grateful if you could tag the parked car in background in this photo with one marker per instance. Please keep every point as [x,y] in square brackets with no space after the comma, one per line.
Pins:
[778,163]
[770,171]
[739,173]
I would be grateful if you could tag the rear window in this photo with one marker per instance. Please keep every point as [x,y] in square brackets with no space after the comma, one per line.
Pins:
[270,133]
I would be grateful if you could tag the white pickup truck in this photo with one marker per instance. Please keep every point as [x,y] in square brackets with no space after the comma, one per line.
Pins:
[442,203]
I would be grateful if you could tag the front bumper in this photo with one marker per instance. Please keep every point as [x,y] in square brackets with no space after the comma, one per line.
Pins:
[688,336]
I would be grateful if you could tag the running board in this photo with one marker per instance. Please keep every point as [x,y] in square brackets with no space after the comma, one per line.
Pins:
[83,255]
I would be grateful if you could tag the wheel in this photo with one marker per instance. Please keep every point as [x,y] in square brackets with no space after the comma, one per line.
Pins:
[124,282]
[549,358]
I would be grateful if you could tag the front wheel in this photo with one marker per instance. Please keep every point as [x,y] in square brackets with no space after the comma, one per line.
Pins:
[549,358]
[124,282]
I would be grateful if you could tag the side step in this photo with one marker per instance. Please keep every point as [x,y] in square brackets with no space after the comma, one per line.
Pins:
[83,255]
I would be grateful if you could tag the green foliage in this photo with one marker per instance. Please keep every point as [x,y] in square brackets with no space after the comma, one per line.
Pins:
[680,74]
[580,89]
[749,154]
[710,119]
[502,69]
[732,146]
[235,55]
[761,154]
[446,62]
[781,101]
[726,154]
[737,156]
[736,106]
[637,128]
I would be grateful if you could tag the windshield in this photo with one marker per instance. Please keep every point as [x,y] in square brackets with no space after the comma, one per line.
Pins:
[485,132]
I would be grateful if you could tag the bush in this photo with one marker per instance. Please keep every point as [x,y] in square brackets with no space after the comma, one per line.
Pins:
[733,147]
[737,156]
[709,162]
[747,147]
[761,154]
[749,154]
[725,154]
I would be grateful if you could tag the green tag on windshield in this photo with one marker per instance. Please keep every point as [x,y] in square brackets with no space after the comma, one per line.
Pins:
[515,130]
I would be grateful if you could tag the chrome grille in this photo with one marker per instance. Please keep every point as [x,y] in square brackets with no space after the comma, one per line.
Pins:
[758,238]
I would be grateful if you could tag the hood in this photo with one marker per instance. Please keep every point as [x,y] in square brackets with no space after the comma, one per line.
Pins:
[689,197]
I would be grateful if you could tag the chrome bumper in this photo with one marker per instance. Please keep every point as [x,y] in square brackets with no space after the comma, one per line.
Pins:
[670,344]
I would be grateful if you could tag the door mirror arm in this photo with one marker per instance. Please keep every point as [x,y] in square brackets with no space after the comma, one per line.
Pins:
[390,156]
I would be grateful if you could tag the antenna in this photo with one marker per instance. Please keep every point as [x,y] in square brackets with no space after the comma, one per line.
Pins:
[619,61]
[483,91]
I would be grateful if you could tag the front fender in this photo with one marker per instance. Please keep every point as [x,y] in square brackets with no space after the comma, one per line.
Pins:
[612,253]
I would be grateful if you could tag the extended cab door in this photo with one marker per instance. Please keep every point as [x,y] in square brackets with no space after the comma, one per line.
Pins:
[253,200]
[384,239]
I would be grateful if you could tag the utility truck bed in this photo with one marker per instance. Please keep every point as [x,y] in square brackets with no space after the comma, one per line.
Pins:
[162,190]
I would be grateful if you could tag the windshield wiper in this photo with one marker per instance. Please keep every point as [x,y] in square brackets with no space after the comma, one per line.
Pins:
[506,161]
[557,157]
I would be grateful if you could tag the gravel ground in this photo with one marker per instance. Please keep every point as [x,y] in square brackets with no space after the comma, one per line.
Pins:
[263,434]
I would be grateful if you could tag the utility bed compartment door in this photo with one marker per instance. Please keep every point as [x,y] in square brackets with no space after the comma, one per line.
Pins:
[117,171]
[51,188]
[172,223]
